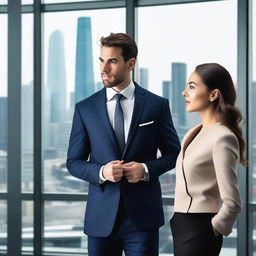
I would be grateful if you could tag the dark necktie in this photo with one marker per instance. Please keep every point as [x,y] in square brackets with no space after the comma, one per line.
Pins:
[119,123]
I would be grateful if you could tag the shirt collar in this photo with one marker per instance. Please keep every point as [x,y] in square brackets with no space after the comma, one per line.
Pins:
[128,92]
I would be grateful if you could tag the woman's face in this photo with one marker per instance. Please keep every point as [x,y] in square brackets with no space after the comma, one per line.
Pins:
[197,94]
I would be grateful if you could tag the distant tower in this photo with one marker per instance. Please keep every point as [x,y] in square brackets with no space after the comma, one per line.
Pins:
[143,77]
[56,80]
[3,123]
[179,73]
[84,80]
[166,89]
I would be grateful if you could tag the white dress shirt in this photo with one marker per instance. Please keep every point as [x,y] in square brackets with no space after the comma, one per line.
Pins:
[127,104]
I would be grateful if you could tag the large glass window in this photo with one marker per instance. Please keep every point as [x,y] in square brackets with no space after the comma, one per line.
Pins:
[171,44]
[27,2]
[27,227]
[63,228]
[65,1]
[71,73]
[27,104]
[3,103]
[3,226]
[252,107]
[252,134]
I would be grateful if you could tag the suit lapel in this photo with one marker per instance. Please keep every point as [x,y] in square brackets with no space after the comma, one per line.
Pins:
[103,116]
[139,100]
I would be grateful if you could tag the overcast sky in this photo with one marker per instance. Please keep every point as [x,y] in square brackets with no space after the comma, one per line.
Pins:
[189,33]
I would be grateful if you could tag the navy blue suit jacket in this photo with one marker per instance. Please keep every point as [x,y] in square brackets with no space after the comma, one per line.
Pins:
[92,144]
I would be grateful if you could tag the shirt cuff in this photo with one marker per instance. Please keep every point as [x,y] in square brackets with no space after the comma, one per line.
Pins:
[146,174]
[101,178]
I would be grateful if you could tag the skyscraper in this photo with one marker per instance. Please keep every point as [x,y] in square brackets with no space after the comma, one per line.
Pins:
[3,123]
[84,79]
[143,72]
[179,73]
[56,80]
[166,89]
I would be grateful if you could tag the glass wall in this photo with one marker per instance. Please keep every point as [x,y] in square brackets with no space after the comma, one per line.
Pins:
[27,227]
[64,1]
[71,73]
[27,105]
[172,40]
[171,44]
[3,226]
[3,103]
[252,134]
[63,227]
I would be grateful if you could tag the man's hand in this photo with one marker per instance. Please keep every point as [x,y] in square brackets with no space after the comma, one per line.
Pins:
[113,171]
[133,171]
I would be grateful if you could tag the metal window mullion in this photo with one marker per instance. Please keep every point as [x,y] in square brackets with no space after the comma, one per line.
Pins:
[130,17]
[130,20]
[143,3]
[78,6]
[242,92]
[38,204]
[14,205]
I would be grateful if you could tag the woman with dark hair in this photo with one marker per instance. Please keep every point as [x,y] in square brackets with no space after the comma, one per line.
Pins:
[207,199]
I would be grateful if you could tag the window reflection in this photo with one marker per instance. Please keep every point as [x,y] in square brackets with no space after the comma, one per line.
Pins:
[252,135]
[252,119]
[3,102]
[71,74]
[3,226]
[27,105]
[27,227]
[170,46]
[63,227]
[65,1]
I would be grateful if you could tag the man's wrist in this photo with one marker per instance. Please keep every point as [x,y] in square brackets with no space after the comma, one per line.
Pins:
[146,174]
[101,177]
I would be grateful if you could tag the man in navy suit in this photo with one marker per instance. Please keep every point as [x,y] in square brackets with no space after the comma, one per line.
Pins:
[115,137]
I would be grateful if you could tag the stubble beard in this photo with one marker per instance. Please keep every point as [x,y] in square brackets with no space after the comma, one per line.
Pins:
[114,83]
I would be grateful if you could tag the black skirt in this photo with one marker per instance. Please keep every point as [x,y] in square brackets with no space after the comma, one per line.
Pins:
[193,235]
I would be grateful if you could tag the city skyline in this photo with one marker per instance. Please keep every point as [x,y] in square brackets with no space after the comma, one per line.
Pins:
[191,50]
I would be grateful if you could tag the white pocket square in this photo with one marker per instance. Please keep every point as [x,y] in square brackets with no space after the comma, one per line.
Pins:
[151,122]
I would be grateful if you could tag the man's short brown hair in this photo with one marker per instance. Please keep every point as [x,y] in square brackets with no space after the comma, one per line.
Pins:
[123,41]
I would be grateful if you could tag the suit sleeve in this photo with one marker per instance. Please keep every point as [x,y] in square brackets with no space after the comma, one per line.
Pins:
[225,154]
[78,163]
[168,144]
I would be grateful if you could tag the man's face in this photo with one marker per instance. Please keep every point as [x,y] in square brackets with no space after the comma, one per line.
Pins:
[115,72]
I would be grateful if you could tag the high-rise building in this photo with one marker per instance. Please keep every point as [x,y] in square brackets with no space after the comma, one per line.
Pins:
[3,123]
[84,78]
[166,89]
[27,125]
[143,81]
[56,81]
[179,73]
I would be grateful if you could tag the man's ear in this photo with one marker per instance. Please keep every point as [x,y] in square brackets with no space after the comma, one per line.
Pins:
[131,63]
[215,94]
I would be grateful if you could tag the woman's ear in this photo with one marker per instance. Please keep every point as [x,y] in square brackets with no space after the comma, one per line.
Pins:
[215,94]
